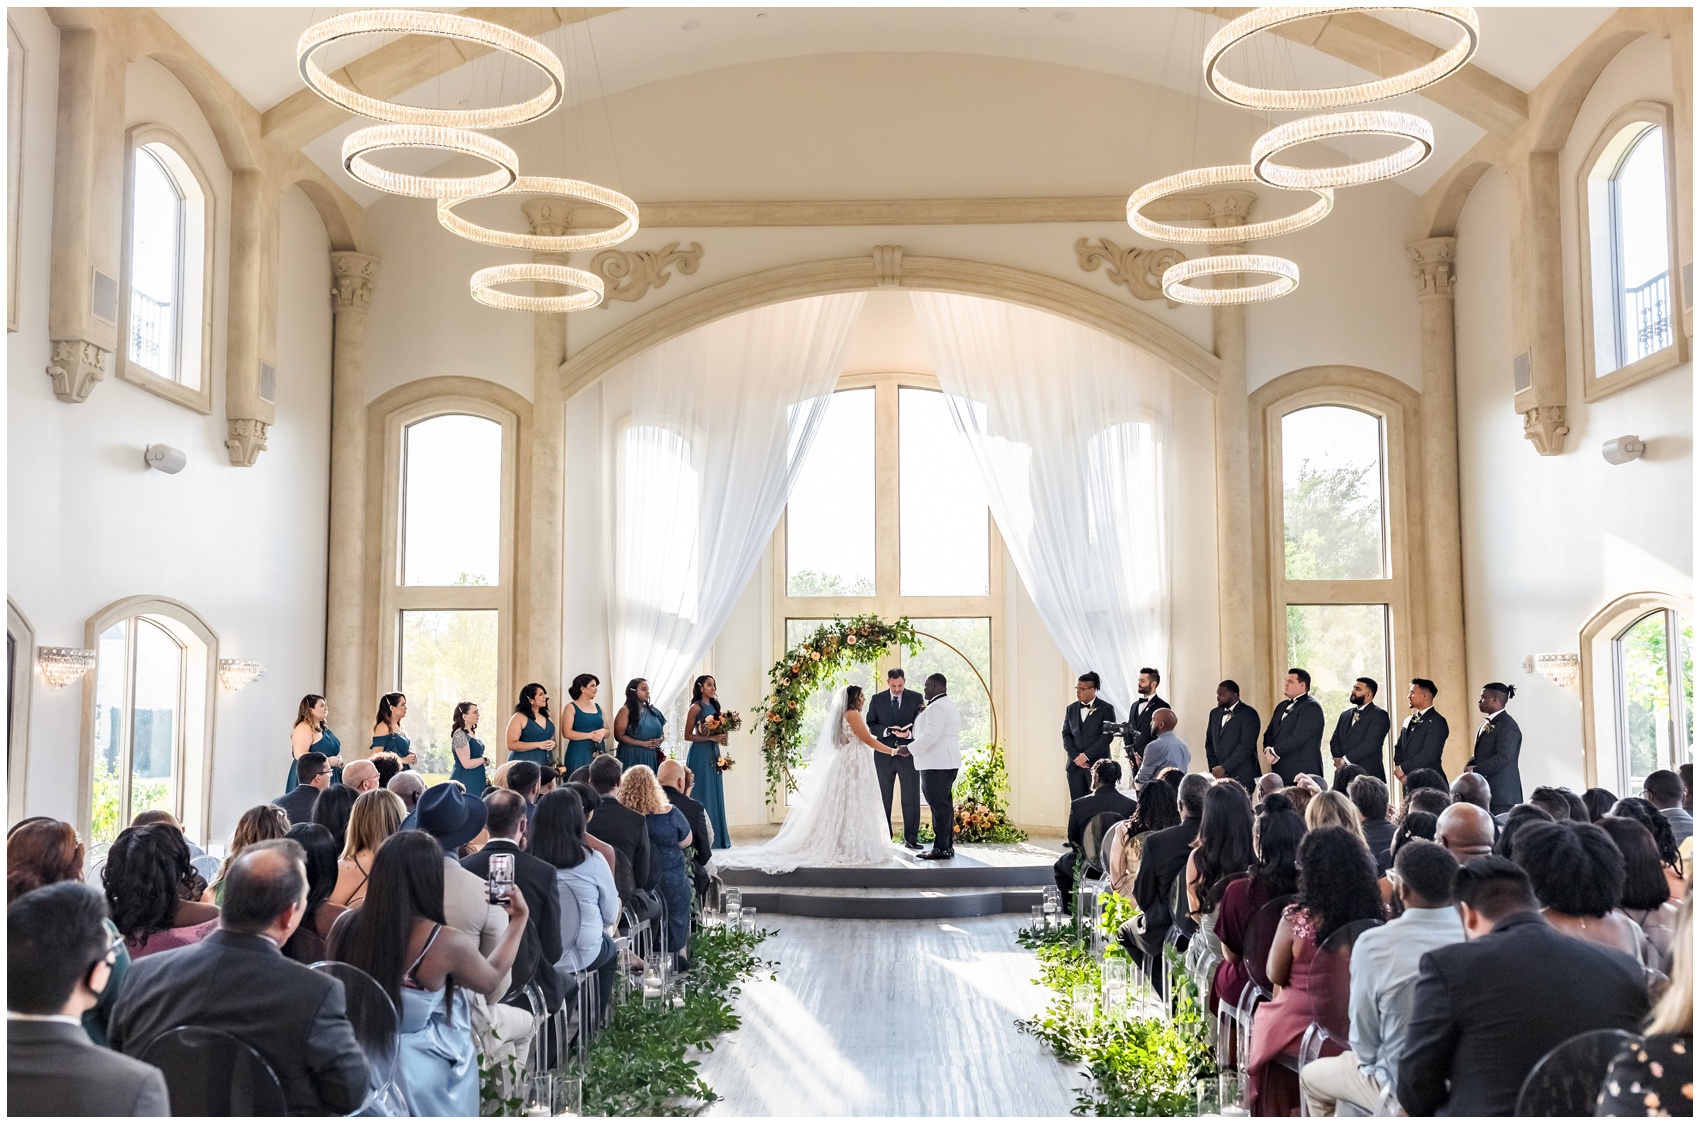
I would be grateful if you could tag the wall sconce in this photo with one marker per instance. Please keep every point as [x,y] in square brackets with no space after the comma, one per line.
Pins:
[1560,667]
[237,674]
[62,667]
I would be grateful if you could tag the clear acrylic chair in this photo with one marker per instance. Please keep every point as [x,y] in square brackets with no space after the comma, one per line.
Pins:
[211,1073]
[377,1026]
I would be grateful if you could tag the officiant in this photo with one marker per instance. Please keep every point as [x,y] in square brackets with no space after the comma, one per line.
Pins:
[891,716]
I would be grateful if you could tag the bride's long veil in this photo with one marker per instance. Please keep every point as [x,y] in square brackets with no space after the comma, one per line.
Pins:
[829,739]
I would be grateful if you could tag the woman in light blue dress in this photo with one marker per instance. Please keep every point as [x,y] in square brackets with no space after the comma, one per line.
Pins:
[386,730]
[398,937]
[311,735]
[639,728]
[704,755]
[531,732]
[587,735]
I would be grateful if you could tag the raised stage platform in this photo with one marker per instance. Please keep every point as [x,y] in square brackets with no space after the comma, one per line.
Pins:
[982,879]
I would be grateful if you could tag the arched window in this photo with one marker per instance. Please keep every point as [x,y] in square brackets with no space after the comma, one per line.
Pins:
[1629,285]
[166,310]
[1653,664]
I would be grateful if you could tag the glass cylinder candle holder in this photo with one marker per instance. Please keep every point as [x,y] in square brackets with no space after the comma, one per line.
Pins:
[1038,917]
[569,1094]
[1084,1001]
[748,919]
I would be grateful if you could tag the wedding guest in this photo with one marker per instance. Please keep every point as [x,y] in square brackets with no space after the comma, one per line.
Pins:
[1417,825]
[1434,801]
[639,728]
[1222,851]
[1551,801]
[59,959]
[314,775]
[1273,874]
[1646,898]
[1654,1076]
[387,734]
[1267,785]
[361,776]
[669,834]
[256,825]
[1515,820]
[1471,788]
[1360,734]
[1466,831]
[468,751]
[1422,738]
[1105,797]
[1577,873]
[1578,810]
[160,815]
[1165,856]
[332,810]
[409,786]
[311,735]
[1293,739]
[307,944]
[1498,743]
[1161,748]
[401,939]
[1157,809]
[531,732]
[375,817]
[1416,779]
[1331,809]
[676,783]
[388,766]
[586,901]
[1083,737]
[622,829]
[1664,839]
[1230,737]
[586,736]
[1599,803]
[1664,790]
[704,756]
[548,778]
[1299,795]
[523,778]
[1344,776]
[1369,797]
[588,797]
[540,947]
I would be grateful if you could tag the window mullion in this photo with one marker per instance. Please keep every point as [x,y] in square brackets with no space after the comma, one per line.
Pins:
[887,497]
[1674,710]
[127,732]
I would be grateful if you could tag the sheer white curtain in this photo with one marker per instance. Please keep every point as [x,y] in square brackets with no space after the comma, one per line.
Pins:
[1068,428]
[701,437]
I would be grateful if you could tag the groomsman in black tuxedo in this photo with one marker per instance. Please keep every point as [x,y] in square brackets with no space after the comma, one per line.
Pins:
[1498,743]
[1230,737]
[1147,703]
[1360,736]
[1294,736]
[890,715]
[1083,737]
[1423,738]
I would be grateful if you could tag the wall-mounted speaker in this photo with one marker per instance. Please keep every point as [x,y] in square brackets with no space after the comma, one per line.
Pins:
[164,458]
[268,382]
[1688,286]
[1522,373]
[103,300]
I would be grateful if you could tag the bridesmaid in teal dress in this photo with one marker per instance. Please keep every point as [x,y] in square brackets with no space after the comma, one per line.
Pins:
[584,740]
[531,732]
[469,767]
[386,730]
[704,752]
[311,735]
[638,728]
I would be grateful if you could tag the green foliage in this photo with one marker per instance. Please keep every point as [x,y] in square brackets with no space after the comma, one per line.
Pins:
[1646,689]
[500,1092]
[984,779]
[813,583]
[1333,523]
[448,657]
[107,801]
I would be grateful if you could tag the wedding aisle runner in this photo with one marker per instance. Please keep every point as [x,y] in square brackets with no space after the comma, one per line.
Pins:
[890,1018]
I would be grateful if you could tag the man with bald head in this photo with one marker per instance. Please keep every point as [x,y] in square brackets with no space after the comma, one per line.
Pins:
[1163,750]
[1466,830]
[1472,788]
[410,786]
[672,774]
[362,776]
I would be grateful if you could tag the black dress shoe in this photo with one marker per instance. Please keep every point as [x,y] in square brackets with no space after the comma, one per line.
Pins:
[911,844]
[936,854]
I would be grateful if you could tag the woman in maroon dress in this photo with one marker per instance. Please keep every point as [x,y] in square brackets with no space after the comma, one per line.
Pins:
[1274,874]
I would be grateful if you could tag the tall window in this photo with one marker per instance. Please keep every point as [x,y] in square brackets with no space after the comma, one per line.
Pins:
[887,516]
[166,299]
[1654,660]
[156,265]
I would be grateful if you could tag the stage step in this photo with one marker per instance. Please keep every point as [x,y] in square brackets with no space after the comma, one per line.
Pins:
[890,904]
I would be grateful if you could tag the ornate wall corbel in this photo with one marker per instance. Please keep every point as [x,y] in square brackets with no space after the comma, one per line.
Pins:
[1545,428]
[246,442]
[630,274]
[1138,270]
[76,366]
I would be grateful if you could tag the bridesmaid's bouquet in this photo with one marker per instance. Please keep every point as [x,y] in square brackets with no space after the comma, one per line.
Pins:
[723,764]
[722,723]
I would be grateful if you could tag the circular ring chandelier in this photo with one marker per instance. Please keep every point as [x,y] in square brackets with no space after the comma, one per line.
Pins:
[484,289]
[1263,19]
[1415,131]
[1211,235]
[405,21]
[362,143]
[1176,279]
[543,243]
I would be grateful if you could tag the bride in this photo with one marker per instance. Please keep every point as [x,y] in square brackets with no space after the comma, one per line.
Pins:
[842,820]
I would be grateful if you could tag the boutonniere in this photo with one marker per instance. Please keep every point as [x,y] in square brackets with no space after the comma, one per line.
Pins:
[1416,719]
[1488,727]
[1089,711]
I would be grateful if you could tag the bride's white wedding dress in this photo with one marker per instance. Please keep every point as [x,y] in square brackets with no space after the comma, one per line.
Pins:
[837,817]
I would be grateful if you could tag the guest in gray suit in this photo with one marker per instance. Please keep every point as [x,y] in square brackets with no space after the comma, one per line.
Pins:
[58,961]
[1163,751]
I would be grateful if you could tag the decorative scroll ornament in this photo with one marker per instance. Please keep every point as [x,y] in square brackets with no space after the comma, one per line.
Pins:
[548,243]
[237,674]
[632,273]
[1415,131]
[1218,235]
[1177,288]
[484,289]
[1139,270]
[361,143]
[62,667]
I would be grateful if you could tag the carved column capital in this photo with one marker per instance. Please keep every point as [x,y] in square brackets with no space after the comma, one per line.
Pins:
[246,442]
[75,367]
[1433,262]
[549,218]
[1545,427]
[1229,208]
[352,277]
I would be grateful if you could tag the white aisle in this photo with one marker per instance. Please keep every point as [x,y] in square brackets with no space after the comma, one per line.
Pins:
[890,1018]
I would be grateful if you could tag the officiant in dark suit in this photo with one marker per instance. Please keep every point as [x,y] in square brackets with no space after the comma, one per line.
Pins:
[1294,737]
[1498,744]
[1230,737]
[1145,704]
[1083,737]
[1422,740]
[891,714]
[1360,736]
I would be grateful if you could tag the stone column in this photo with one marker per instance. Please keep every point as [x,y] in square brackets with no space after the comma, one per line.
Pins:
[251,303]
[1537,300]
[1682,133]
[346,611]
[1442,549]
[540,585]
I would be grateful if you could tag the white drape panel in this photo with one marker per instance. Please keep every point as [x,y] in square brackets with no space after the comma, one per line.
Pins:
[1069,429]
[701,437]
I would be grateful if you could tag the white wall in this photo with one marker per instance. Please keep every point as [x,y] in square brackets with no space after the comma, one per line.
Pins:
[88,525]
[1548,541]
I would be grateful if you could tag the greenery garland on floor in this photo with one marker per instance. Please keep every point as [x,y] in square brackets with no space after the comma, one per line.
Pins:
[1134,1066]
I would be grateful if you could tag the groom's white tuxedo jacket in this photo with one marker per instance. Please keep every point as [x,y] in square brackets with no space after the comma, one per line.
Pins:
[938,736]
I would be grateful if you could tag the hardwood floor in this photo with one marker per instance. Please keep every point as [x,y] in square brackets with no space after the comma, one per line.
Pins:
[890,1018]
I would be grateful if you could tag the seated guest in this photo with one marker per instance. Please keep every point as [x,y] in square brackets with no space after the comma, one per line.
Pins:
[547,778]
[1104,797]
[453,818]
[1515,820]
[1274,874]
[409,786]
[1655,1076]
[314,776]
[1466,830]
[1426,778]
[1472,788]
[376,816]
[1486,1010]
[586,902]
[1598,802]
[622,829]
[587,796]
[1578,810]
[580,775]
[1336,887]
[1163,750]
[1551,801]
[59,956]
[1267,785]
[1299,795]
[307,944]
[1577,873]
[160,815]
[540,947]
[1664,790]
[1344,776]
[361,776]
[1430,800]
[676,784]
[1332,809]
[1369,797]
[1417,825]
[1157,809]
[256,825]
[1384,970]
[388,766]
[669,835]
[1223,851]
[238,981]
[332,810]
[1670,852]
[523,779]
[400,939]
[1161,864]
[1646,898]
[153,891]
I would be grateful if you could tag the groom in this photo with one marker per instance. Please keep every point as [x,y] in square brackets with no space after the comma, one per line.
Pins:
[937,752]
[890,715]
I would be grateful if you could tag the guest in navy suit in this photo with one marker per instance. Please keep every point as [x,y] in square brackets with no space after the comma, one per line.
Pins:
[1360,736]
[1294,736]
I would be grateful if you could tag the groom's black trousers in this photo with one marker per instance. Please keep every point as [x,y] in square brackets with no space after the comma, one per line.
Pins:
[899,769]
[935,786]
